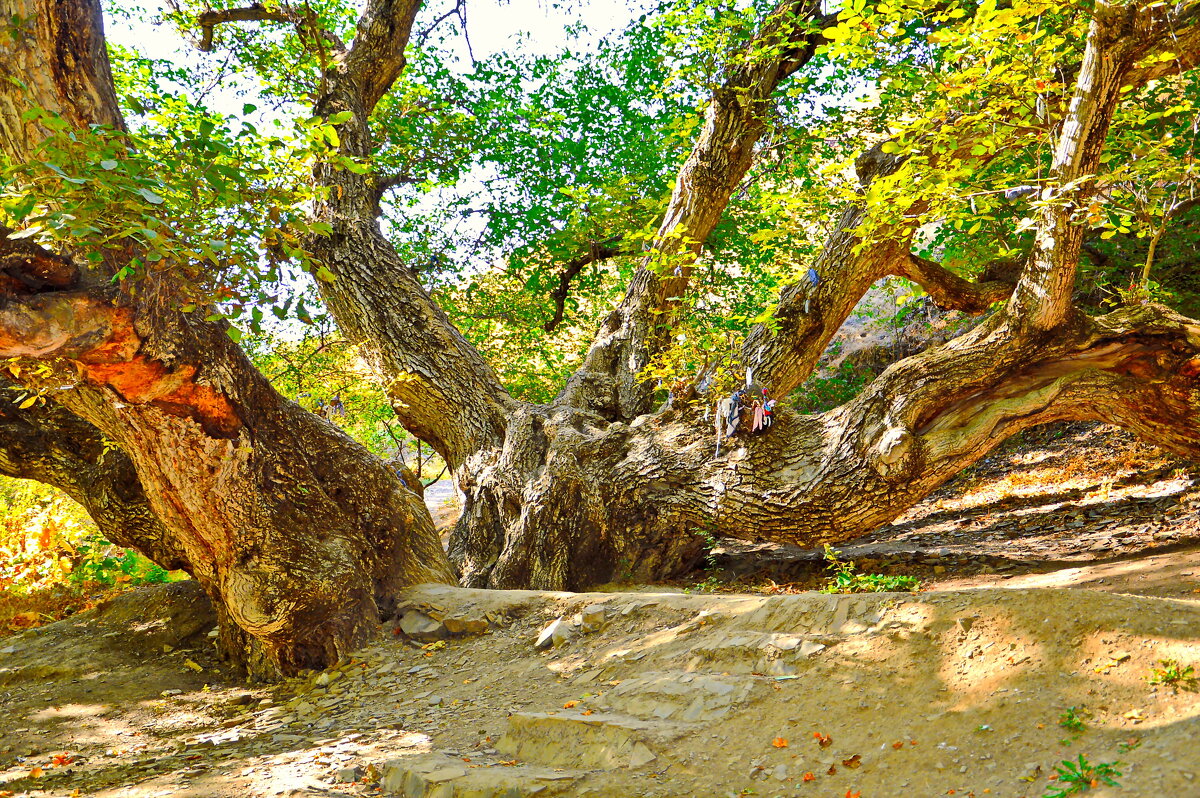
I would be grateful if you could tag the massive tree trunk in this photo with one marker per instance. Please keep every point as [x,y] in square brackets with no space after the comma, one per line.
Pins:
[299,535]
[594,486]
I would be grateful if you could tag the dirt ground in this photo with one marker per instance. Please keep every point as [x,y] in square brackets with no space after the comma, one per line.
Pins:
[1057,575]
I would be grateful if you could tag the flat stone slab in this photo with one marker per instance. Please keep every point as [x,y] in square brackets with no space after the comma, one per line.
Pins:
[594,741]
[438,776]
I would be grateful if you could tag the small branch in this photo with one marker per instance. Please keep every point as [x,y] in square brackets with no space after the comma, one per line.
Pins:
[951,292]
[384,183]
[423,35]
[599,251]
[304,22]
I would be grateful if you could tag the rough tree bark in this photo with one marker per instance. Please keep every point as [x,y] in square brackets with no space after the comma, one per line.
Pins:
[299,535]
[593,486]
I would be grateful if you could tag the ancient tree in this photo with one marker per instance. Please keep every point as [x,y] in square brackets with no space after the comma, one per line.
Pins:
[300,535]
[597,485]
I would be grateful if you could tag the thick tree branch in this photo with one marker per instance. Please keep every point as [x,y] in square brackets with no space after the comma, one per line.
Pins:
[298,533]
[735,120]
[783,354]
[441,388]
[76,84]
[304,21]
[1118,37]
[376,57]
[49,444]
[951,292]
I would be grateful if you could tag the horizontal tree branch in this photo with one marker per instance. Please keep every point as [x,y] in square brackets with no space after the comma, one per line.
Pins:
[304,21]
[385,183]
[951,292]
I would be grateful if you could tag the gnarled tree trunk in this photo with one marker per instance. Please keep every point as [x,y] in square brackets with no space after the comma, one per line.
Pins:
[594,486]
[299,535]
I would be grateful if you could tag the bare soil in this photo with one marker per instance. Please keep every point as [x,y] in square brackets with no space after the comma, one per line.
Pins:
[1057,574]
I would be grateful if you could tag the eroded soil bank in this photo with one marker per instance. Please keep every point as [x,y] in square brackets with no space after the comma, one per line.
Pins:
[1039,599]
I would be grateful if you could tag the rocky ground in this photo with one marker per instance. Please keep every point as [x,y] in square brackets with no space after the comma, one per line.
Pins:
[980,684]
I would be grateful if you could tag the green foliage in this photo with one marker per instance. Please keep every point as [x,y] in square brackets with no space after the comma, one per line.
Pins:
[1071,720]
[511,165]
[845,579]
[1173,674]
[1077,776]
[53,559]
[824,392]
[100,562]
[314,365]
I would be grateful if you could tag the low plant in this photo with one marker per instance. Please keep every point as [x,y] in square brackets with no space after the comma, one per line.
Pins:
[844,578]
[1075,776]
[712,582]
[1171,673]
[1072,721]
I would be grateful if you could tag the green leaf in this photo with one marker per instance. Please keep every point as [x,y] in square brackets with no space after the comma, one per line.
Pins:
[150,196]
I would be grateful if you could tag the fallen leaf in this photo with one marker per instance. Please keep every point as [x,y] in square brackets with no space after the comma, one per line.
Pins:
[898,744]
[779,742]
[823,740]
[192,665]
[808,776]
[832,770]
[853,761]
[36,773]
[586,712]
[1113,661]
[570,705]
[855,794]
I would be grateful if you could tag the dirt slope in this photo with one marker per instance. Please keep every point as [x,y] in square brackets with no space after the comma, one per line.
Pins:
[957,690]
